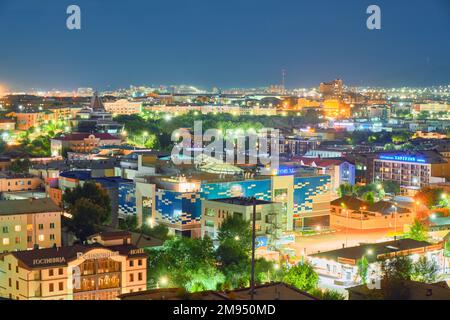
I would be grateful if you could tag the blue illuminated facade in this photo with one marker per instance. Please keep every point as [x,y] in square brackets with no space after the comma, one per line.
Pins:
[402,158]
[185,207]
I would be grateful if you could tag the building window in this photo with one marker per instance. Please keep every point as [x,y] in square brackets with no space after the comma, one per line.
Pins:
[140,276]
[29,239]
[17,269]
[18,228]
[41,237]
[9,266]
[5,241]
[52,237]
[61,286]
[10,282]
[5,230]
[52,225]
[17,285]
[29,227]
[51,287]
[131,263]
[41,226]
[139,262]
[131,277]
[17,240]
[60,271]
[50,273]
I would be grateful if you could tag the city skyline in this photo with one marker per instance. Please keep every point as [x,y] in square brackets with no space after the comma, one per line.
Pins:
[144,43]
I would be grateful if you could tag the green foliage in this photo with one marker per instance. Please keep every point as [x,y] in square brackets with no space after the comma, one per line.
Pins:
[425,270]
[90,207]
[130,223]
[302,276]
[87,216]
[369,197]
[20,165]
[391,187]
[187,263]
[346,189]
[417,231]
[363,269]
[397,268]
[327,294]
[160,231]
[429,197]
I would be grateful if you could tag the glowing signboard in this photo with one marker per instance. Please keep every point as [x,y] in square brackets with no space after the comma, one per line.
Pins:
[402,158]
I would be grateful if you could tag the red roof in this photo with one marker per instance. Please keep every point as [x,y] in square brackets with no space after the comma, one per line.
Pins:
[82,136]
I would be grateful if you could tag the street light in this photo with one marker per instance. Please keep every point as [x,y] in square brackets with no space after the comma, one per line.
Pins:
[163,281]
[394,207]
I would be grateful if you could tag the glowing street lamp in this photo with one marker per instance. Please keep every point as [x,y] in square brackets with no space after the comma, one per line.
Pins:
[163,281]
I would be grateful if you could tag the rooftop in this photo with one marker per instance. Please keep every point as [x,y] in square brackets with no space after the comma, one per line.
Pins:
[82,136]
[12,207]
[54,257]
[242,201]
[356,204]
[372,251]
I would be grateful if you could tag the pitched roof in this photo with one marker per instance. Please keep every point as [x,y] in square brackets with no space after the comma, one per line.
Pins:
[12,207]
[53,257]
[383,207]
[377,249]
[82,136]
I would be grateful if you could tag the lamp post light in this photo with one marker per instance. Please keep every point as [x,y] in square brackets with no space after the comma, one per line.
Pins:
[394,207]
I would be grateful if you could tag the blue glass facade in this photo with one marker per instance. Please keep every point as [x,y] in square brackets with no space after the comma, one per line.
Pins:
[185,207]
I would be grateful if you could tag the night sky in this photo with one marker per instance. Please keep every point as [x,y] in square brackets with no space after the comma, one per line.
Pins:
[232,43]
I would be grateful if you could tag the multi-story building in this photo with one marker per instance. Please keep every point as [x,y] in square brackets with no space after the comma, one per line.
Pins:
[10,181]
[335,108]
[123,107]
[27,224]
[340,170]
[270,218]
[26,120]
[353,213]
[333,89]
[82,142]
[411,170]
[7,124]
[93,272]
[432,107]
[176,202]
[341,265]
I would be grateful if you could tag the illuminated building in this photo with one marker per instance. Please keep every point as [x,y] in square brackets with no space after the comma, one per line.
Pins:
[82,142]
[303,103]
[32,119]
[353,213]
[412,171]
[340,170]
[335,108]
[7,124]
[432,107]
[123,107]
[176,202]
[271,221]
[26,224]
[342,264]
[333,89]
[10,181]
[93,272]
[429,135]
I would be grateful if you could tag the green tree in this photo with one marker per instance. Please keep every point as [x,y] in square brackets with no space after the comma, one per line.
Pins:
[302,276]
[397,268]
[130,223]
[20,165]
[187,263]
[327,294]
[160,231]
[425,270]
[89,206]
[363,269]
[86,217]
[391,187]
[346,189]
[417,231]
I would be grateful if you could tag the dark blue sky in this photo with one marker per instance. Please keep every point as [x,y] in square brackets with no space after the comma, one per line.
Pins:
[232,43]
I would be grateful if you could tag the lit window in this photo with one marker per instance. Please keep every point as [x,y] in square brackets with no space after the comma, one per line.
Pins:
[5,241]
[41,237]
[18,228]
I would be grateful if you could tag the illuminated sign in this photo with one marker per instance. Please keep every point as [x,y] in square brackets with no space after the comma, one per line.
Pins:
[261,241]
[402,158]
[49,261]
[97,256]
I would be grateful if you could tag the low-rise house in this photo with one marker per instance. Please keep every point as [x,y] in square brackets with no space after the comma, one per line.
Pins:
[341,266]
[353,213]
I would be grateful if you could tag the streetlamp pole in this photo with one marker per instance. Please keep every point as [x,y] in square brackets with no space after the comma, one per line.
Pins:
[252,281]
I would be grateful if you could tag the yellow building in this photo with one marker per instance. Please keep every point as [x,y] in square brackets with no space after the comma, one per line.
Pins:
[25,224]
[10,181]
[94,272]
[335,108]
